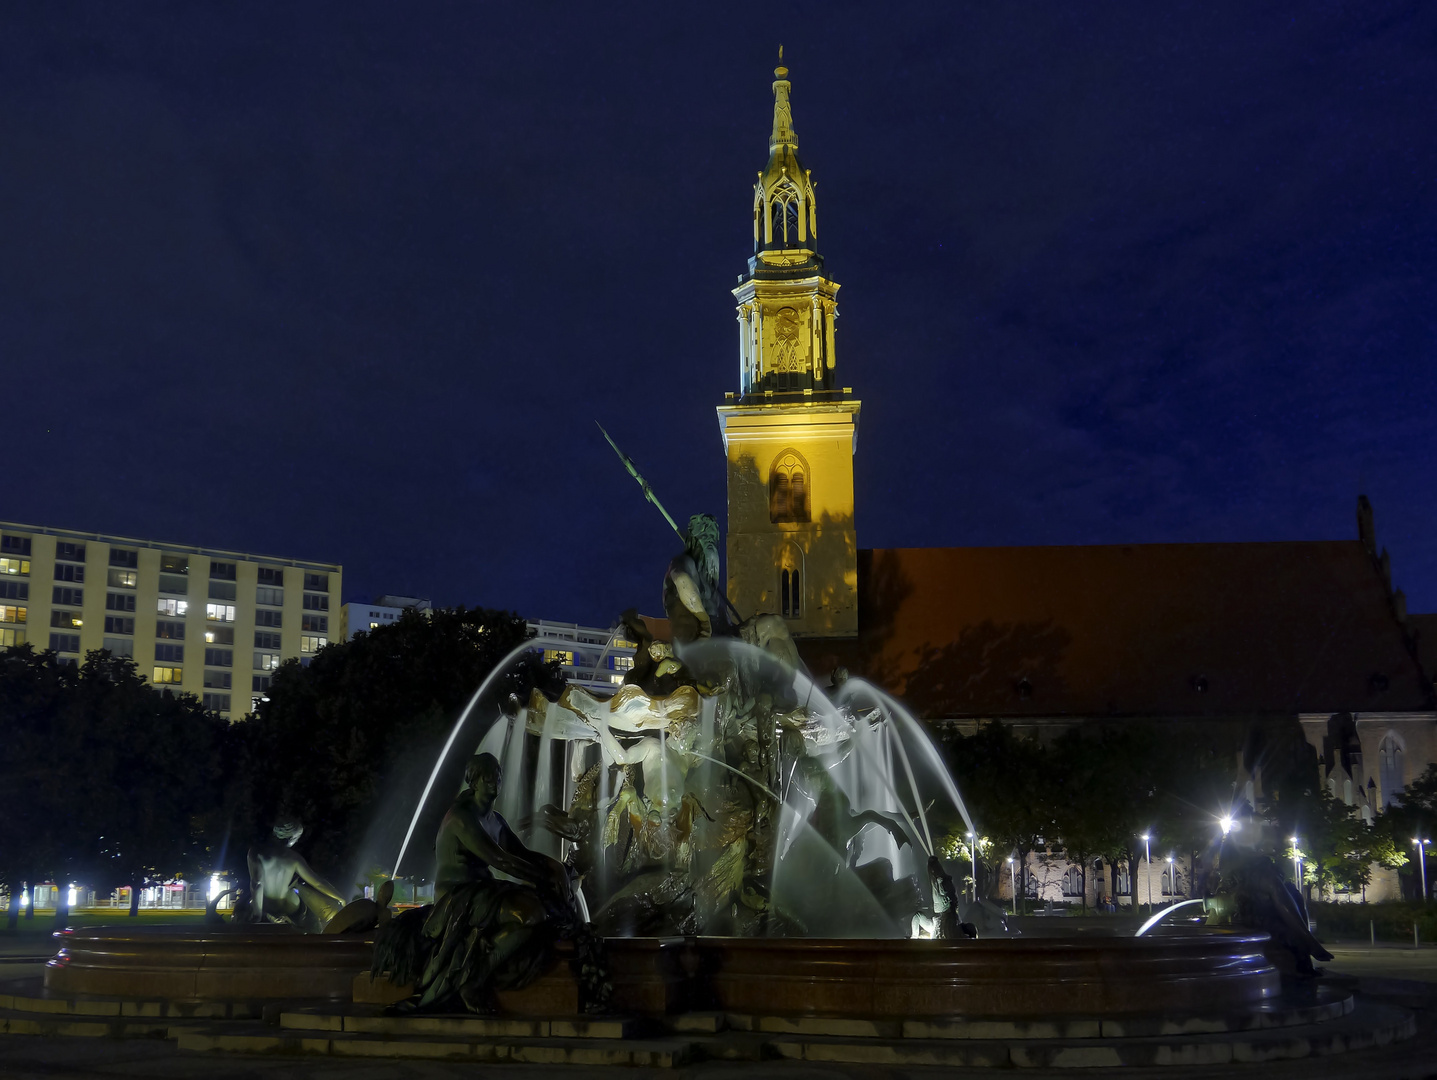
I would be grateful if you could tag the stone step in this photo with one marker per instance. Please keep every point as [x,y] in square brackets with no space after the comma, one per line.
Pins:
[1369,1025]
[372,1022]
[258,1039]
[95,1027]
[1037,1029]
[30,996]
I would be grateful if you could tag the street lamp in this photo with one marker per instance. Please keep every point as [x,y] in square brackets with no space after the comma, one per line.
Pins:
[1013,870]
[1296,863]
[1172,880]
[1226,822]
[973,851]
[1148,862]
[1422,863]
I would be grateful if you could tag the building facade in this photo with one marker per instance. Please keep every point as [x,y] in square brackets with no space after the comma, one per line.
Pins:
[1303,649]
[204,621]
[591,657]
[790,431]
[358,618]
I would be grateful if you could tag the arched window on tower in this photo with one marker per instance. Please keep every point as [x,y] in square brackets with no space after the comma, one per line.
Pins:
[1391,769]
[783,209]
[788,483]
[790,582]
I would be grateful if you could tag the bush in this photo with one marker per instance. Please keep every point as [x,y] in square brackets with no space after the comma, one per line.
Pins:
[1392,921]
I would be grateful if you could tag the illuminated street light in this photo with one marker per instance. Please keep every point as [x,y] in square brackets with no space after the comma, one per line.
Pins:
[973,848]
[1296,864]
[1013,870]
[1227,824]
[1422,863]
[1172,880]
[1148,861]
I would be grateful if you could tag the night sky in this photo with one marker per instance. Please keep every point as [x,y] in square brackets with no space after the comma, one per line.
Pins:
[353,282]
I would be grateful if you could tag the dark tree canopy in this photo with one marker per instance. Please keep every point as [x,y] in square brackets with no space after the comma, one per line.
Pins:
[330,744]
[104,779]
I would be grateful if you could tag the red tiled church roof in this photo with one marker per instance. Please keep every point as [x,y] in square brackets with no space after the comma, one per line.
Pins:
[1132,630]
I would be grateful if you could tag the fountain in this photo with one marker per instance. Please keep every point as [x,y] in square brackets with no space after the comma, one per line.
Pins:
[752,847]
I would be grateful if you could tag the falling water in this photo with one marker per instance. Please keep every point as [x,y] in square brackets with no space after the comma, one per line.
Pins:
[499,669]
[1163,915]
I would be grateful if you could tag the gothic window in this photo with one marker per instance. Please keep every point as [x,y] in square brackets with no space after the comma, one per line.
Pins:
[1390,767]
[1073,882]
[1123,886]
[788,483]
[783,207]
[790,583]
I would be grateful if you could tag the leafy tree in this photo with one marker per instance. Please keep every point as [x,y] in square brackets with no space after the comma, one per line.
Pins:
[106,779]
[1008,785]
[330,744]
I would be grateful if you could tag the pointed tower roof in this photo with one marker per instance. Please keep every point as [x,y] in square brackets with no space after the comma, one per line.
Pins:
[783,160]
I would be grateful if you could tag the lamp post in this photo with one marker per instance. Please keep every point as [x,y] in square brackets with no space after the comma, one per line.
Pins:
[973,851]
[1422,863]
[1172,881]
[1148,864]
[1013,871]
[1296,864]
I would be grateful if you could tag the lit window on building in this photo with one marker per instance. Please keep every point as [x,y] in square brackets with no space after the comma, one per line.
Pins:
[124,579]
[309,644]
[15,566]
[266,661]
[66,620]
[220,612]
[167,675]
[173,607]
[11,613]
[564,656]
[219,635]
[10,637]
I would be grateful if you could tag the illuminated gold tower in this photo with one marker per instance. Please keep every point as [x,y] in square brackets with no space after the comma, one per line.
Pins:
[790,432]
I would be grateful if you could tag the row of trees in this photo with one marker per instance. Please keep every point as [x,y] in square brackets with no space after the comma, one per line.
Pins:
[110,781]
[1092,795]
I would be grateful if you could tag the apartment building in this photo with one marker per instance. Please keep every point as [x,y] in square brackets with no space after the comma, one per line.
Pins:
[359,618]
[590,656]
[189,616]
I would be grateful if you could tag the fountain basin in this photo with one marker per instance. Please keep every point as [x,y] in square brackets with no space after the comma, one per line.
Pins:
[1188,973]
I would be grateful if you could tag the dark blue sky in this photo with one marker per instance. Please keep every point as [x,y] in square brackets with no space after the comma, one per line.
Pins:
[353,281]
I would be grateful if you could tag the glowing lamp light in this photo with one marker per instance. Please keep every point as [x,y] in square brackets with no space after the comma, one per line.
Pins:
[215,886]
[1226,823]
[70,898]
[24,900]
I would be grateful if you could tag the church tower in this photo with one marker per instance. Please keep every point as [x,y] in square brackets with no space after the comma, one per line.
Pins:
[790,431]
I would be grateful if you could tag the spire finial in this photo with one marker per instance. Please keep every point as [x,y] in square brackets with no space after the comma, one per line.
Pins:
[783,133]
